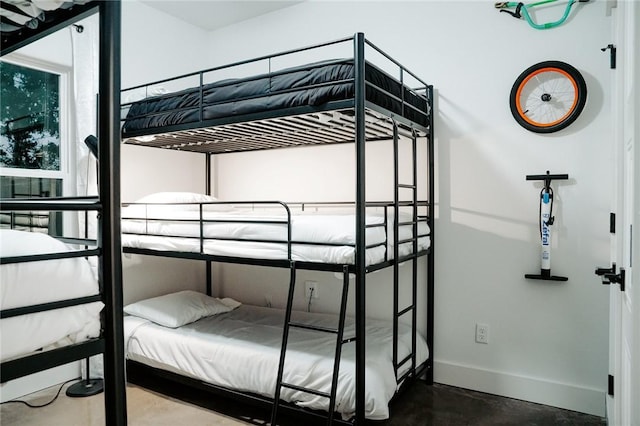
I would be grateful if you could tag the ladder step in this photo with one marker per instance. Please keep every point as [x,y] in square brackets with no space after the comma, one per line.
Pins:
[407,240]
[404,376]
[349,340]
[404,185]
[404,360]
[313,327]
[404,311]
[306,390]
[412,222]
[408,257]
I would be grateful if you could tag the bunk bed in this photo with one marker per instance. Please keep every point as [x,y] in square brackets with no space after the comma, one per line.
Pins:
[86,306]
[330,101]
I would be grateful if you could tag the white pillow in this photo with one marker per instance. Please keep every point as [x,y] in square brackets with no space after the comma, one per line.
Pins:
[184,197]
[177,309]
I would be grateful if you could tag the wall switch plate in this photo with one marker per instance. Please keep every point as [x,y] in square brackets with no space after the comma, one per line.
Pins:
[482,333]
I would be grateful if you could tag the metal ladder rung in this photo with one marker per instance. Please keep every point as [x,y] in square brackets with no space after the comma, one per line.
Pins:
[338,331]
[408,257]
[348,340]
[405,359]
[410,222]
[306,390]
[404,311]
[404,185]
[404,376]
[313,327]
[407,240]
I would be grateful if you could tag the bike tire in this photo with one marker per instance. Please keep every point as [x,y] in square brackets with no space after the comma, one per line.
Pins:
[548,96]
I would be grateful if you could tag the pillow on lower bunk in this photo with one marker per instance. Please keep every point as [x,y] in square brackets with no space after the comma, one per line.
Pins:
[184,197]
[177,309]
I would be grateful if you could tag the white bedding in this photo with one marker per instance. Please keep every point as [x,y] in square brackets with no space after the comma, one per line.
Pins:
[31,283]
[240,350]
[336,228]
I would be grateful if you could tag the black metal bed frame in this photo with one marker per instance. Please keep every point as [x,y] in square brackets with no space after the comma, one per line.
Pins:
[354,120]
[108,245]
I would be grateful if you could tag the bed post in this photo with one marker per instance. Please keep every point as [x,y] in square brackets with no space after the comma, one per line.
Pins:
[431,255]
[207,173]
[207,188]
[109,229]
[360,265]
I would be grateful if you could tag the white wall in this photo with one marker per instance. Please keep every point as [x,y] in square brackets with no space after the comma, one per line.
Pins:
[548,341]
[157,46]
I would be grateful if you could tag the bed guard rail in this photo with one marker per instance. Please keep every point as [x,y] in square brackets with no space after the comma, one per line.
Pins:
[195,85]
[200,223]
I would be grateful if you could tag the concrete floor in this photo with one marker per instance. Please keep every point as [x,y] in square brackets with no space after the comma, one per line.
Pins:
[437,405]
[144,407]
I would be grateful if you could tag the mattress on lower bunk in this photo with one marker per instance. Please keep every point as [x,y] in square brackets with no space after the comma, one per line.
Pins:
[32,283]
[311,84]
[316,237]
[240,350]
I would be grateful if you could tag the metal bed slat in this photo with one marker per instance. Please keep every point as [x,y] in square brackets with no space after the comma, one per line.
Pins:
[272,130]
[312,132]
[324,127]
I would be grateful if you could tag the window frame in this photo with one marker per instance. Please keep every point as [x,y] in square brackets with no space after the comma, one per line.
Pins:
[67,153]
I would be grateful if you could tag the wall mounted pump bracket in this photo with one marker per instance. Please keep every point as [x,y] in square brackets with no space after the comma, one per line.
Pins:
[546,221]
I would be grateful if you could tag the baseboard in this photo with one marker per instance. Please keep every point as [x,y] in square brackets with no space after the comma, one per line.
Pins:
[38,381]
[562,395]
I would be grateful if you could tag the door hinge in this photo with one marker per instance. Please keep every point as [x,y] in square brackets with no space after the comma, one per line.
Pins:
[610,386]
[609,276]
[612,55]
[612,223]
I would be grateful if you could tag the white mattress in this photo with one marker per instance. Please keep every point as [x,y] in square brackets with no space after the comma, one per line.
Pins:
[240,350]
[31,283]
[332,228]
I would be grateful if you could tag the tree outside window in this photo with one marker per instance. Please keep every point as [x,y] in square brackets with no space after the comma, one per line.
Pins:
[29,118]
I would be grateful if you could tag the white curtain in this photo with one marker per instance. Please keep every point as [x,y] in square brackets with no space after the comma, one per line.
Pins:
[85,88]
[85,51]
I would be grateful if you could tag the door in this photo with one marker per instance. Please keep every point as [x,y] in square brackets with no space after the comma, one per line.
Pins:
[624,364]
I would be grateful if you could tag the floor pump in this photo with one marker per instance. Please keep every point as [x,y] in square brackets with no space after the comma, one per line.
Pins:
[546,221]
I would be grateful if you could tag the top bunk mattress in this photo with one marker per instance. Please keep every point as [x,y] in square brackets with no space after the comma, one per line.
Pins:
[313,85]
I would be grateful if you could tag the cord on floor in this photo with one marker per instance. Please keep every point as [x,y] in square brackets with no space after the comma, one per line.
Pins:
[43,405]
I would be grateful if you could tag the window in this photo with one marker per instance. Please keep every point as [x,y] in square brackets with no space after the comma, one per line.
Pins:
[34,151]
[30,118]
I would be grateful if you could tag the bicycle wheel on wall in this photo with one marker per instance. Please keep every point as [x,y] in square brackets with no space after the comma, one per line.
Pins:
[548,96]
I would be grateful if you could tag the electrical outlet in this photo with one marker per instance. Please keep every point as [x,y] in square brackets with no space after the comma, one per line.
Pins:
[310,290]
[482,333]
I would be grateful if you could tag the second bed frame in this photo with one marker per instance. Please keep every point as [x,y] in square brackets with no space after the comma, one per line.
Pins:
[365,121]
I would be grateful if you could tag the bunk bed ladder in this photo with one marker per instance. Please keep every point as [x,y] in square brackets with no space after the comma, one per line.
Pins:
[339,332]
[397,313]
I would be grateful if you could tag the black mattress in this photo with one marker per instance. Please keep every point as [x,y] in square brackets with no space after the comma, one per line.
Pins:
[307,85]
